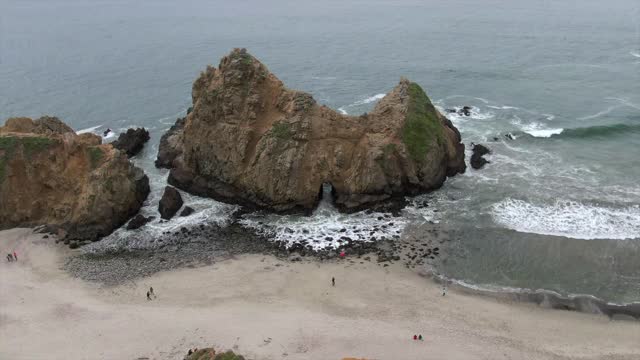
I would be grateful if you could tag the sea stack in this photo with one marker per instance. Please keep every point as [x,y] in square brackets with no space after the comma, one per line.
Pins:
[250,140]
[49,175]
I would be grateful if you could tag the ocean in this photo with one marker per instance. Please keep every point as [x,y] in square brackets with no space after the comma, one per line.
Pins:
[558,207]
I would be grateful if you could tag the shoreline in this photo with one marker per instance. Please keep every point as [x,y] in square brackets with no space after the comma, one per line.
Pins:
[265,307]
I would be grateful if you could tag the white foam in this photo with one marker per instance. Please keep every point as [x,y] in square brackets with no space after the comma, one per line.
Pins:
[326,228]
[536,129]
[598,114]
[369,100]
[545,133]
[635,54]
[569,218]
[88,130]
[503,107]
[365,101]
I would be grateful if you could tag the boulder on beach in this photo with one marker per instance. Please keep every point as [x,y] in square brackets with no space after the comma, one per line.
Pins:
[170,203]
[250,140]
[72,183]
[477,158]
[132,141]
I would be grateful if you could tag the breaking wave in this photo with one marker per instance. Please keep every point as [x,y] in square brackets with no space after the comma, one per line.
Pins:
[569,219]
[597,131]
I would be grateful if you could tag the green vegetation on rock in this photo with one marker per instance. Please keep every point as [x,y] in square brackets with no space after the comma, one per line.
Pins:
[422,125]
[95,156]
[205,354]
[32,145]
[281,131]
[3,169]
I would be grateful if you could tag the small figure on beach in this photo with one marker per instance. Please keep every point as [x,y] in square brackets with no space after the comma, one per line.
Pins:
[9,257]
[444,290]
[151,292]
[342,254]
[420,337]
[415,337]
[15,256]
[333,281]
[190,352]
[148,295]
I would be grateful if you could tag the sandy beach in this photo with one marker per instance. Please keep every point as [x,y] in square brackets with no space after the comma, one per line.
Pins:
[265,308]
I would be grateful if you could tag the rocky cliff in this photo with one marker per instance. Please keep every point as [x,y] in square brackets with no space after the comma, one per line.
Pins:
[49,175]
[252,141]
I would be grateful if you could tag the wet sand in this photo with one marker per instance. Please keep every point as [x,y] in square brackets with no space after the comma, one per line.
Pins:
[266,308]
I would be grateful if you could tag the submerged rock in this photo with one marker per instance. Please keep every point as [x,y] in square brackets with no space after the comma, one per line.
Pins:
[138,221]
[170,203]
[188,210]
[132,141]
[81,189]
[250,140]
[477,159]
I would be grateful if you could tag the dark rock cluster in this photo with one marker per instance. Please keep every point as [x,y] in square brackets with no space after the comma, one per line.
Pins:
[132,141]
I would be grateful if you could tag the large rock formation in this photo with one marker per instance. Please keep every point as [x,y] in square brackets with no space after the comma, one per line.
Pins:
[250,140]
[49,175]
[132,141]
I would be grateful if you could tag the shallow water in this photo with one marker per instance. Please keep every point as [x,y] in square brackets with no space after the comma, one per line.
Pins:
[557,208]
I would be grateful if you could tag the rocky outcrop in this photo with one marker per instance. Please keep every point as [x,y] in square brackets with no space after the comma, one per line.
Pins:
[73,183]
[250,140]
[170,147]
[132,141]
[170,203]
[138,221]
[477,158]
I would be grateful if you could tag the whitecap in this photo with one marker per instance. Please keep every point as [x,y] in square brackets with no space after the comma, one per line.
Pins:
[545,133]
[342,111]
[369,100]
[88,130]
[598,114]
[635,54]
[568,218]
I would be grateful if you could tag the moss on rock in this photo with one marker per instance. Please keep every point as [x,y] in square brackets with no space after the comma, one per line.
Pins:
[422,127]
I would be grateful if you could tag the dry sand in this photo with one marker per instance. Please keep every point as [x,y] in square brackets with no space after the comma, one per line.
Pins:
[269,309]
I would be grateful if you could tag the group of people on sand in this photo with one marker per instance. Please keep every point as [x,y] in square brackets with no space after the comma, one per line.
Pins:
[12,257]
[418,337]
[150,294]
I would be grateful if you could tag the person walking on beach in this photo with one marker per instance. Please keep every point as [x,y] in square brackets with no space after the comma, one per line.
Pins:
[15,256]
[9,257]
[444,290]
[148,296]
[333,281]
[151,292]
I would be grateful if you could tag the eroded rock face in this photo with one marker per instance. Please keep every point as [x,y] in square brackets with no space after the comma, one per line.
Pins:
[132,141]
[250,140]
[49,175]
